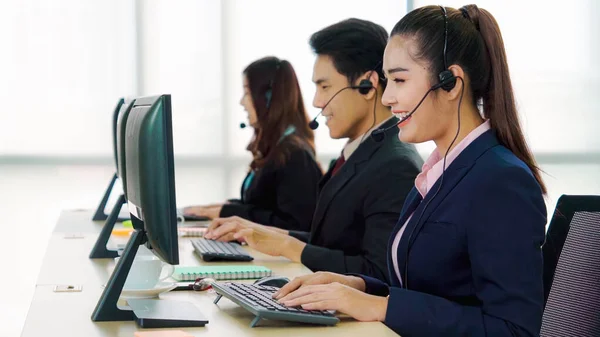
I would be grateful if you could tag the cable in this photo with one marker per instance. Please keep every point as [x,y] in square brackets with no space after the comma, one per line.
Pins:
[374,116]
[405,280]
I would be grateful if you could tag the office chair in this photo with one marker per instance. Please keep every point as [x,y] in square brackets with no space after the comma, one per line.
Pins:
[572,268]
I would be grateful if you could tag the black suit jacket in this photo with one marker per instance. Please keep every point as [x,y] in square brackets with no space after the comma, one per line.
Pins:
[281,196]
[359,206]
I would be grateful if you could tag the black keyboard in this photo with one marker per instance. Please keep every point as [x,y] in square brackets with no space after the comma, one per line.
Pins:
[258,300]
[210,250]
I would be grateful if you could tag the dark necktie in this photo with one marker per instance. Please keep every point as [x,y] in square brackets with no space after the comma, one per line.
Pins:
[338,164]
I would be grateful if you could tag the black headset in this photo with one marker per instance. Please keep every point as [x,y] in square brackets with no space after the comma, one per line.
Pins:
[363,87]
[447,79]
[269,92]
[447,83]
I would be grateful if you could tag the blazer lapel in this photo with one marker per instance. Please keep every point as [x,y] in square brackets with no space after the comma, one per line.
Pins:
[413,200]
[330,186]
[326,177]
[452,176]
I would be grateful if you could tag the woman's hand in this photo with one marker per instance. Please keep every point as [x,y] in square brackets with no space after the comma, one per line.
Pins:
[320,278]
[340,297]
[211,211]
[223,229]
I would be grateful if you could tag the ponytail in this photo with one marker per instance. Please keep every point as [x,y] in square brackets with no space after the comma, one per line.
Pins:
[498,100]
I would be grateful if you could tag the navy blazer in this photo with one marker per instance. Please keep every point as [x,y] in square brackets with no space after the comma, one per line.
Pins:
[475,267]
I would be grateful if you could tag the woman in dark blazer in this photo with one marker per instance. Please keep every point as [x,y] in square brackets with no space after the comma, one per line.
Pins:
[281,185]
[465,256]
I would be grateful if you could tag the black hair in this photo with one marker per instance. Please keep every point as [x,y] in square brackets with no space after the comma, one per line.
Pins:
[355,47]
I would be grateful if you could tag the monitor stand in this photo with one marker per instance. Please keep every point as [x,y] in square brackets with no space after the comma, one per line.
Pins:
[155,313]
[107,308]
[99,215]
[100,251]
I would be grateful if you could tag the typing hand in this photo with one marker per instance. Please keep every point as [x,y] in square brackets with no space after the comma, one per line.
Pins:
[320,278]
[265,240]
[211,211]
[223,229]
[340,297]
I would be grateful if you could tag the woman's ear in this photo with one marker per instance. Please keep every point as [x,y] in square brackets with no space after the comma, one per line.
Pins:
[461,84]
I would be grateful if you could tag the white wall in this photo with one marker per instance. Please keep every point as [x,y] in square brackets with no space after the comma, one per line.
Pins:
[553,50]
[65,63]
[62,67]
[181,54]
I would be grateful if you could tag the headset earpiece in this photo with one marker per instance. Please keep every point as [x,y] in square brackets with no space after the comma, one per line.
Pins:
[364,86]
[269,92]
[447,80]
[268,96]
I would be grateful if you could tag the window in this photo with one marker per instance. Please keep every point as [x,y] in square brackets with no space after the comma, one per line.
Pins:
[553,50]
[69,61]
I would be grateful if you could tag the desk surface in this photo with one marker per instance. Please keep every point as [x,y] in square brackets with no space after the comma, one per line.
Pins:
[77,221]
[68,314]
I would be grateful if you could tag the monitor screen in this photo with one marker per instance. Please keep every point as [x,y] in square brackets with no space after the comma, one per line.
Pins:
[150,174]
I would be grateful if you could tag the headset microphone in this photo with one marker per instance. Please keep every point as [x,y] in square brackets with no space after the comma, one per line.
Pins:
[363,87]
[313,125]
[379,134]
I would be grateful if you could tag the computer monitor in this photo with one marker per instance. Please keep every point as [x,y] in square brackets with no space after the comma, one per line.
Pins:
[100,251]
[151,175]
[120,135]
[100,214]
[151,196]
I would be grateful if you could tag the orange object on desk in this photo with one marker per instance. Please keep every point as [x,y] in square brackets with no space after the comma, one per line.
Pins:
[122,231]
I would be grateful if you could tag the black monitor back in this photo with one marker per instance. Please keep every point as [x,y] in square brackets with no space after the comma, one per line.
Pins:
[151,175]
[117,112]
[119,140]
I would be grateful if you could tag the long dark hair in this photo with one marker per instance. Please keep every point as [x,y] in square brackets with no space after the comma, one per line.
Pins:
[475,44]
[278,103]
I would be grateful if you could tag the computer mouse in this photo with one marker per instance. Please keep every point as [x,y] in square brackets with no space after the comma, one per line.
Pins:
[273,281]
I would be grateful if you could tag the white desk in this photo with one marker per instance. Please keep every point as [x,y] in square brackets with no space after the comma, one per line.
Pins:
[77,221]
[68,314]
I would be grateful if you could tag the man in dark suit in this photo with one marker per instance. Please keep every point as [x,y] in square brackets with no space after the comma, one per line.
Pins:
[361,195]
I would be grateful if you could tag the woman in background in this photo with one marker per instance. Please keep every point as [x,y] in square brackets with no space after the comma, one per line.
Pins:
[281,186]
